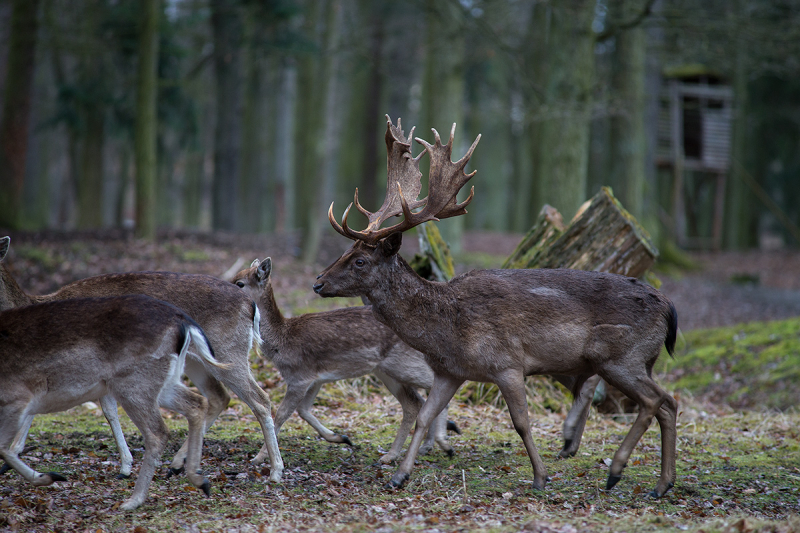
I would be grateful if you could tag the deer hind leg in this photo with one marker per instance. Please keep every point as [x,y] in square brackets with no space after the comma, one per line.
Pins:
[442,391]
[218,400]
[653,401]
[12,422]
[109,406]
[410,402]
[19,441]
[143,411]
[239,379]
[193,406]
[576,418]
[512,386]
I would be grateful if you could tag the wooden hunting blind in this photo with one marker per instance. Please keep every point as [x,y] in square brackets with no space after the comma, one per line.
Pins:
[694,138]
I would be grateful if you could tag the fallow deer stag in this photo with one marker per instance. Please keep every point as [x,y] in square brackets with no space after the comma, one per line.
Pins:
[57,355]
[317,348]
[501,325]
[228,317]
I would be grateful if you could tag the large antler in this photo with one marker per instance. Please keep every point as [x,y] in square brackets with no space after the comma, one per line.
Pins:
[445,180]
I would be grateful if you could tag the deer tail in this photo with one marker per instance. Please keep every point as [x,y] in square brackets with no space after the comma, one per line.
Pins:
[672,329]
[192,333]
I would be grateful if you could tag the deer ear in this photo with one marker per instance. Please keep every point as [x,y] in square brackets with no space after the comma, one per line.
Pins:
[264,269]
[5,242]
[391,244]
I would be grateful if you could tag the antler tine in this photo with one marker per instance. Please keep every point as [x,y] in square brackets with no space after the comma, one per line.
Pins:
[446,178]
[343,229]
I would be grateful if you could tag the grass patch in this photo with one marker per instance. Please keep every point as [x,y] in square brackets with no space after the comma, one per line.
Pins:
[755,365]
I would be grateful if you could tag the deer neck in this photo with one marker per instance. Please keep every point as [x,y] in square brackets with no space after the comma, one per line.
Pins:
[273,323]
[417,310]
[11,294]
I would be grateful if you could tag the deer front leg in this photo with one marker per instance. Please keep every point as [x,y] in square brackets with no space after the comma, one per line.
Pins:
[512,386]
[19,441]
[109,406]
[410,402]
[442,391]
[12,423]
[438,432]
[576,418]
[304,410]
[242,383]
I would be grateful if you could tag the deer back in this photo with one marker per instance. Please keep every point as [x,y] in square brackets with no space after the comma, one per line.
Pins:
[224,313]
[68,350]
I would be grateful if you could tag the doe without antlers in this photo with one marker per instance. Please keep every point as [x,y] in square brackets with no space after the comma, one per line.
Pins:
[502,325]
[57,355]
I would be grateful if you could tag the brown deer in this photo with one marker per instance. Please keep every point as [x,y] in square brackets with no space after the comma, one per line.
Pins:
[56,355]
[228,317]
[317,348]
[501,325]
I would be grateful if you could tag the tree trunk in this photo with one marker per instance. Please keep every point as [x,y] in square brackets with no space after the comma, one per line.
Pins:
[252,187]
[443,92]
[146,121]
[327,145]
[227,29]
[285,177]
[628,142]
[566,79]
[90,182]
[741,219]
[372,101]
[17,108]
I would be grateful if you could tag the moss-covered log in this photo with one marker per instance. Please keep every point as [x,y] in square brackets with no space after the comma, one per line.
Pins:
[434,261]
[602,236]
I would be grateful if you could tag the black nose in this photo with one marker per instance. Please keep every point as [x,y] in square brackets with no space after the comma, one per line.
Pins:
[319,276]
[318,287]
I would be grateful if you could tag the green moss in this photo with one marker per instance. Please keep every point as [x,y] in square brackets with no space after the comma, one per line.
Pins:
[753,365]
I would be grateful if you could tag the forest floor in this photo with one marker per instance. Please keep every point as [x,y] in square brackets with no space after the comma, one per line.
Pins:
[738,452]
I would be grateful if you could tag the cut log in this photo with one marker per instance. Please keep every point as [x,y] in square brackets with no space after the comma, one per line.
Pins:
[603,236]
[434,261]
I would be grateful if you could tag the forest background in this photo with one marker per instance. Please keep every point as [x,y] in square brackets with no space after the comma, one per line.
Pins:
[253,115]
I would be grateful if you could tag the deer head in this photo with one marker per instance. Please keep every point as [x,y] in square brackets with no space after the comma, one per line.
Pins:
[374,245]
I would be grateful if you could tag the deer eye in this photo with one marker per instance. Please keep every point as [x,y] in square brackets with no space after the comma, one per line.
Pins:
[240,284]
[360,262]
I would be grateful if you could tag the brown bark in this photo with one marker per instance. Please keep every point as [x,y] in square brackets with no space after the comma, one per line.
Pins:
[602,237]
[17,109]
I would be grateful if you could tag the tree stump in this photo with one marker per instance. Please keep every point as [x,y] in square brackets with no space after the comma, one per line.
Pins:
[434,261]
[603,236]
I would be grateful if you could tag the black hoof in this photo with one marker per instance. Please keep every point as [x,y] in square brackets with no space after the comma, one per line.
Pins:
[451,426]
[128,476]
[565,451]
[5,468]
[55,476]
[206,486]
[397,483]
[346,440]
[174,472]
[451,452]
[654,494]
[612,480]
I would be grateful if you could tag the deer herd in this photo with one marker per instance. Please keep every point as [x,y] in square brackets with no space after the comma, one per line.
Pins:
[131,338]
